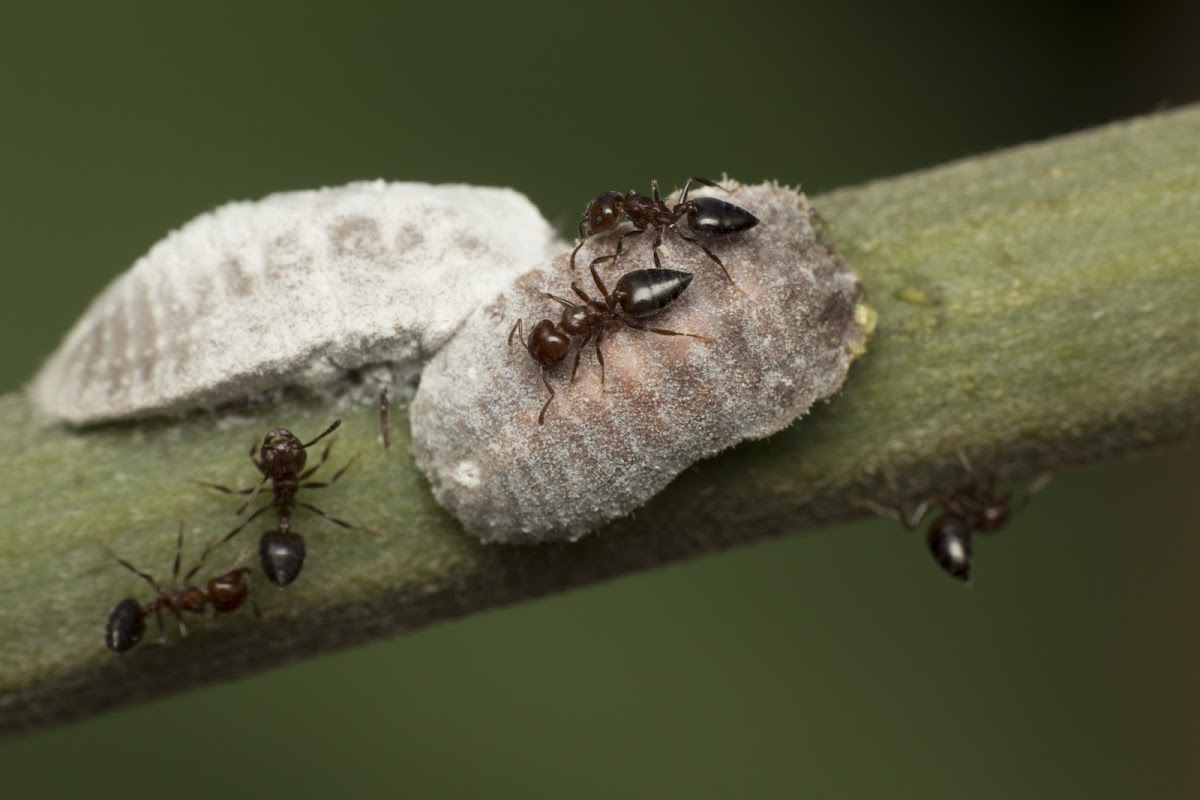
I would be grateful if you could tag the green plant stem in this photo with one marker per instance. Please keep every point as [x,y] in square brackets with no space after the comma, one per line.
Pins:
[1038,307]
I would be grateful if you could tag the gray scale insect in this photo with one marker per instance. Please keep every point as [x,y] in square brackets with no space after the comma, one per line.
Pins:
[296,289]
[665,402]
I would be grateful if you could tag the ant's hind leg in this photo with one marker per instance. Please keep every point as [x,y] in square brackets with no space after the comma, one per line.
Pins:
[665,332]
[711,255]
[549,388]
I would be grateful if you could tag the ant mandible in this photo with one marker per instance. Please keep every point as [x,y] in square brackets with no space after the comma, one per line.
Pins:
[637,294]
[281,460]
[708,216]
[975,507]
[221,594]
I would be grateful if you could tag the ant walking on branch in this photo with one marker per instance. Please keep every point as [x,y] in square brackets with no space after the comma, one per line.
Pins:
[221,594]
[281,461]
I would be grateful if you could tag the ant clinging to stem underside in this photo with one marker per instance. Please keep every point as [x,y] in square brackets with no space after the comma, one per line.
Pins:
[637,294]
[973,507]
[282,458]
[221,594]
[707,216]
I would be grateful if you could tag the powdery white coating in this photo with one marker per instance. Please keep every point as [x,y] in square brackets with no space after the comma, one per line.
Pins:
[292,290]
[670,400]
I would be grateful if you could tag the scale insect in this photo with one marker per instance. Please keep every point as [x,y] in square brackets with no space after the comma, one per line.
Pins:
[299,289]
[281,460]
[636,295]
[221,594]
[665,401]
[707,216]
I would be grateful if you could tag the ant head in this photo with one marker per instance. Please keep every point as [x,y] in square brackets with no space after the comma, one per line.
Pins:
[281,453]
[228,591]
[603,211]
[949,541]
[126,625]
[547,344]
[281,555]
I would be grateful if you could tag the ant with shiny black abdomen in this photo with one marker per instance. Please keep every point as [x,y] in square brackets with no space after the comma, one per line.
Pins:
[974,507]
[707,216]
[221,594]
[281,460]
[637,294]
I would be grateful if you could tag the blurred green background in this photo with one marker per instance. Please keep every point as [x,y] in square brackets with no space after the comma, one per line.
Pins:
[839,664]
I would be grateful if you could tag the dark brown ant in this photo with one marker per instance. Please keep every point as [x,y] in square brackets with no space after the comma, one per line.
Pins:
[637,294]
[974,507]
[221,594]
[281,460]
[705,215]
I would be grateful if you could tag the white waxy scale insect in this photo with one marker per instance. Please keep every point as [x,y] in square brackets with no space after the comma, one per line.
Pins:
[295,289]
[669,401]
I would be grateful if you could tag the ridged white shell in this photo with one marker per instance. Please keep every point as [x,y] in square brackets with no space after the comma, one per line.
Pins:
[670,400]
[293,289]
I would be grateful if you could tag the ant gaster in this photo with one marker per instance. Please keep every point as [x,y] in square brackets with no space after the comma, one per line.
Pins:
[221,594]
[637,294]
[708,216]
[974,507]
[282,460]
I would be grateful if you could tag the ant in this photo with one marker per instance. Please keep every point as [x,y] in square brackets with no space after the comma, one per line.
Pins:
[705,215]
[281,460]
[637,294]
[974,507]
[221,594]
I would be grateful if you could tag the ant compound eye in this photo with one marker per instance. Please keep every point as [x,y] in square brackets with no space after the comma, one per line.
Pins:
[296,289]
[704,369]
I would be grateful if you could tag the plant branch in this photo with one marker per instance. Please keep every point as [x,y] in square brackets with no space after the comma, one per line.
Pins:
[1038,307]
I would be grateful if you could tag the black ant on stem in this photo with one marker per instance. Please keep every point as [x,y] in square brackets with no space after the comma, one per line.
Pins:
[637,294]
[221,594]
[281,460]
[708,216]
[974,507]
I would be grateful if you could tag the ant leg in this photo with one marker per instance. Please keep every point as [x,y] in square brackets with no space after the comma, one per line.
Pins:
[517,329]
[703,182]
[178,554]
[599,283]
[710,254]
[250,499]
[147,578]
[336,475]
[620,244]
[324,433]
[576,250]
[258,512]
[557,299]
[324,457]
[162,633]
[580,292]
[319,512]
[587,337]
[542,415]
[664,331]
[600,360]
[657,244]
[385,419]
[220,488]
